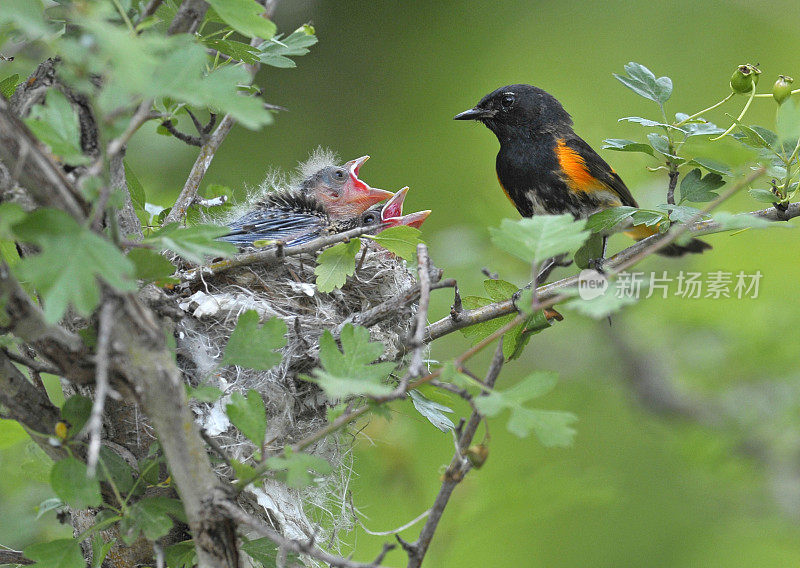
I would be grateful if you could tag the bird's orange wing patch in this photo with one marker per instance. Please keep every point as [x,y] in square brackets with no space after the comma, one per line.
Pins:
[574,168]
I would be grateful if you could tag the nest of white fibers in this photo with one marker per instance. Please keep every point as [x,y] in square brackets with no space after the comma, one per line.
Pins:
[295,408]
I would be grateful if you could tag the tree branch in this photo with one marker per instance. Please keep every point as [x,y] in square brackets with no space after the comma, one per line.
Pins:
[620,261]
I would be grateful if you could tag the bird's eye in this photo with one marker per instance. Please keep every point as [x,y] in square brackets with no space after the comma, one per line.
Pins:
[507,101]
[370,218]
[339,175]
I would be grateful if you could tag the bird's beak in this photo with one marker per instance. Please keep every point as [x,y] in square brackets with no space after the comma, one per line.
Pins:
[474,114]
[414,219]
[360,191]
[392,212]
[394,207]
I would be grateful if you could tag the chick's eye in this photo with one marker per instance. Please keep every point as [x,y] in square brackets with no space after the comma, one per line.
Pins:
[339,175]
[370,218]
[507,101]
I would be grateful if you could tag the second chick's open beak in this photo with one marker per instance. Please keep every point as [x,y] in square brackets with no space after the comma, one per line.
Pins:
[392,212]
[357,191]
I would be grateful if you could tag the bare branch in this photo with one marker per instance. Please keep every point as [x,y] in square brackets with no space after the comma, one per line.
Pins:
[418,341]
[183,137]
[95,423]
[189,191]
[33,167]
[32,364]
[458,468]
[295,546]
[273,254]
[188,18]
[8,556]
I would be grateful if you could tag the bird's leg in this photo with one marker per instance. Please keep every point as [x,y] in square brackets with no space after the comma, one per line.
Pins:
[544,272]
[597,263]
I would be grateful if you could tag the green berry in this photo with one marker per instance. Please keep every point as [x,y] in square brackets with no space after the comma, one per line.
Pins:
[782,88]
[745,78]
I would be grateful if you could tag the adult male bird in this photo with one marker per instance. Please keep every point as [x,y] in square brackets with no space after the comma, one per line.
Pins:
[294,218]
[545,168]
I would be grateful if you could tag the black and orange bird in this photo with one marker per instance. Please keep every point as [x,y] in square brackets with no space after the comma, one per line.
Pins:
[545,168]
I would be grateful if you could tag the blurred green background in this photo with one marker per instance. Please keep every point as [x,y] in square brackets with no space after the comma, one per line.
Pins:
[638,488]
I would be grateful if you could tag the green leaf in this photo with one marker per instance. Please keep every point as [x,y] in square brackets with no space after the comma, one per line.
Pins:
[697,126]
[150,265]
[335,264]
[56,124]
[680,213]
[277,51]
[9,85]
[203,393]
[297,467]
[76,411]
[591,250]
[698,188]
[648,218]
[401,240]
[245,16]
[135,188]
[660,144]
[730,221]
[235,49]
[552,428]
[643,82]
[11,433]
[756,137]
[249,415]
[646,122]
[787,120]
[265,553]
[624,145]
[192,243]
[100,550]
[252,345]
[762,195]
[349,372]
[614,298]
[181,555]
[73,258]
[433,411]
[541,237]
[713,166]
[151,516]
[70,481]
[119,471]
[61,553]
[28,15]
[607,219]
[499,290]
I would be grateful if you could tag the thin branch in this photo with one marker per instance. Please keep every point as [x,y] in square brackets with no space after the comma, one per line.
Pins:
[183,137]
[8,556]
[94,425]
[307,548]
[458,468]
[272,255]
[188,18]
[149,10]
[418,344]
[192,185]
[32,364]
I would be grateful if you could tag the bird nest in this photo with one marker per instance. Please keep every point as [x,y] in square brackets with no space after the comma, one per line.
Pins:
[295,408]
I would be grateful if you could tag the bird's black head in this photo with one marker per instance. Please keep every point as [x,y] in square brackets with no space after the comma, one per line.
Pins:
[519,106]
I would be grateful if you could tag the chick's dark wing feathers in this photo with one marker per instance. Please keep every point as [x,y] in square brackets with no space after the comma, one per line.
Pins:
[290,226]
[600,170]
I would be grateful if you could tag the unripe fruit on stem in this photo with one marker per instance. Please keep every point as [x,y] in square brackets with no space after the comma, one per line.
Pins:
[782,88]
[745,78]
[477,455]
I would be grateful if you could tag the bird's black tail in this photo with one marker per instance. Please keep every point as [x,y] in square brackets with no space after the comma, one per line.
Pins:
[694,246]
